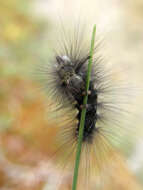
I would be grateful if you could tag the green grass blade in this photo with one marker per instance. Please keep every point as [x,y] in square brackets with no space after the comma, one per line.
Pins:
[83,113]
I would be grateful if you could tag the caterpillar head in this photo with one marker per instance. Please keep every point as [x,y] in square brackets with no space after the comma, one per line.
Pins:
[69,73]
[65,69]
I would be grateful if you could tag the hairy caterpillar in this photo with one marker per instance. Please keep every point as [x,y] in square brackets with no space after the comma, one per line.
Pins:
[64,78]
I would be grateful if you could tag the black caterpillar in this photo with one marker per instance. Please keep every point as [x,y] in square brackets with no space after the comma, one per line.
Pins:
[105,128]
[73,78]
[64,78]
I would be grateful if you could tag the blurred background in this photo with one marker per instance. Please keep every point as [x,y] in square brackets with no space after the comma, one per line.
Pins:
[26,29]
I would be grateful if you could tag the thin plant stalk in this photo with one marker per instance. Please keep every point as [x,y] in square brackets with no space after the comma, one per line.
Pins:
[83,113]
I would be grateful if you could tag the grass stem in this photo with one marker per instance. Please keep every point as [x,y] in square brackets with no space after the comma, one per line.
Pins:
[83,113]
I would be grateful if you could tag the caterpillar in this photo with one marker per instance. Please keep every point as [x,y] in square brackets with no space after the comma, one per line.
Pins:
[64,78]
[73,79]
